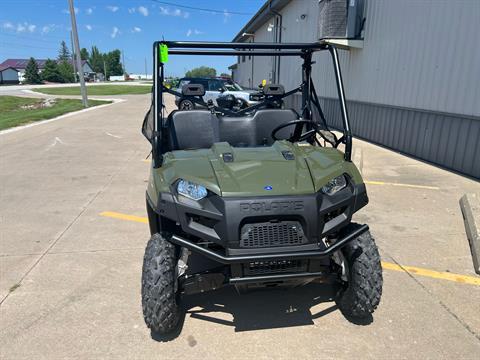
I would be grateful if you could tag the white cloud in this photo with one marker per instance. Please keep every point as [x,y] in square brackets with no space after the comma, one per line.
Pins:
[24,27]
[226,15]
[49,28]
[8,25]
[88,27]
[113,8]
[136,29]
[143,10]
[89,11]
[194,32]
[173,12]
[115,32]
[131,10]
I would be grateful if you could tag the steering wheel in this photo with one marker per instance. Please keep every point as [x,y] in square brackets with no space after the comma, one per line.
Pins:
[306,135]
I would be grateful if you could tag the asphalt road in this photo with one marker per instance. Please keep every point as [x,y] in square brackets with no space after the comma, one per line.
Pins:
[70,277]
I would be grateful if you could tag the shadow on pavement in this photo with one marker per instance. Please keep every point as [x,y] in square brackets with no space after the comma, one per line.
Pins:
[258,309]
[264,308]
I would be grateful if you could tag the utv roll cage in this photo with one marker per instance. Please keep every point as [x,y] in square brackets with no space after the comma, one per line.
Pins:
[307,88]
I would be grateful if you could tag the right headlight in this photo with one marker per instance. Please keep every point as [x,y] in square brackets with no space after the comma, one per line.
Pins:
[335,185]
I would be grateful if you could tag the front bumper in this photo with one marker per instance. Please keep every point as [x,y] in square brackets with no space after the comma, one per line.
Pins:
[213,226]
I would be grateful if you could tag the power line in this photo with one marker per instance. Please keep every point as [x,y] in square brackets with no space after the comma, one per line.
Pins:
[14,45]
[202,9]
[30,38]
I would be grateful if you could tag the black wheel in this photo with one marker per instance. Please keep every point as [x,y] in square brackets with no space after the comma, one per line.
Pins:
[186,104]
[362,287]
[161,310]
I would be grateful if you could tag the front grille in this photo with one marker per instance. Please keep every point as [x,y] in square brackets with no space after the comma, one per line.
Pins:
[271,234]
[275,267]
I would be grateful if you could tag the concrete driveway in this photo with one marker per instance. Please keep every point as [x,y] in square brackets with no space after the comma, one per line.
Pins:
[70,277]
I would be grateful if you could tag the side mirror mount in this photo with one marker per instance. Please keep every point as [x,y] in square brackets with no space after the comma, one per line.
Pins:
[221,89]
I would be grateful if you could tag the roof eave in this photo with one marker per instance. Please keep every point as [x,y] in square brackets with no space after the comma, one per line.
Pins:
[260,17]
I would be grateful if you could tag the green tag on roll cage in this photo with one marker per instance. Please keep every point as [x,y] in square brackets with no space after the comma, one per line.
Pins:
[163,53]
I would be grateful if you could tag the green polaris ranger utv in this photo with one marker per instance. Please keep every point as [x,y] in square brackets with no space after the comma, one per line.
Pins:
[263,192]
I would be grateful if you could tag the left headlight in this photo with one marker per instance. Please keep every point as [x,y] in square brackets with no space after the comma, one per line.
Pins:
[191,190]
[335,185]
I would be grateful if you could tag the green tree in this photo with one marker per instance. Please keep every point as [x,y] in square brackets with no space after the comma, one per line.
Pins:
[84,54]
[65,69]
[50,72]
[64,53]
[31,72]
[96,60]
[202,71]
[114,66]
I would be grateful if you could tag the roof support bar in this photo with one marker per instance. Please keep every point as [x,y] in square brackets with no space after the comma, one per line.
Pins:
[253,45]
[343,104]
[234,52]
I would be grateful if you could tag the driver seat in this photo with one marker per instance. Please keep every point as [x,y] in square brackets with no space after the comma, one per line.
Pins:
[266,120]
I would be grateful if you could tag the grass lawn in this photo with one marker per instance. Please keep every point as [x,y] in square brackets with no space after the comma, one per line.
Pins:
[98,90]
[12,113]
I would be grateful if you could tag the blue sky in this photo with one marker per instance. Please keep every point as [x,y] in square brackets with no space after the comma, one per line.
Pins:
[36,28]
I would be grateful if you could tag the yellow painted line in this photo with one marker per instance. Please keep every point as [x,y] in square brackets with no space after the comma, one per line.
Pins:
[120,216]
[472,280]
[464,279]
[402,185]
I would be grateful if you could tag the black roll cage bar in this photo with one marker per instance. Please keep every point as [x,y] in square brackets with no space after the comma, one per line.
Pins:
[309,95]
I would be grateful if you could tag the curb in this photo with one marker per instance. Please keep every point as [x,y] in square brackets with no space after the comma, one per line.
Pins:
[41,122]
[470,206]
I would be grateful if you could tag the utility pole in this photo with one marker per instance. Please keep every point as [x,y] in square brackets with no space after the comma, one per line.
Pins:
[123,63]
[146,74]
[73,57]
[105,70]
[77,54]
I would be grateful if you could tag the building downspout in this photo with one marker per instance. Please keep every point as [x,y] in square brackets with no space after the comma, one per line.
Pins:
[278,38]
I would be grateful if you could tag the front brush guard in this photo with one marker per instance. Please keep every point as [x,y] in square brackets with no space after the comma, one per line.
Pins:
[177,240]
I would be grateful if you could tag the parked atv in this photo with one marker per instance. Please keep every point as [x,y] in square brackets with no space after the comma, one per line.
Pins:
[263,192]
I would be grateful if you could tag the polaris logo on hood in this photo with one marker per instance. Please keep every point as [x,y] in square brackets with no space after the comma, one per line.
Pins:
[271,206]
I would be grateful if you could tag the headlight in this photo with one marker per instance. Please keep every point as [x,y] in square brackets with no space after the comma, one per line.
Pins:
[335,185]
[255,97]
[191,190]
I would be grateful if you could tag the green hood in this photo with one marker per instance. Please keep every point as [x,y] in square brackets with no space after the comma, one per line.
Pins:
[254,170]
